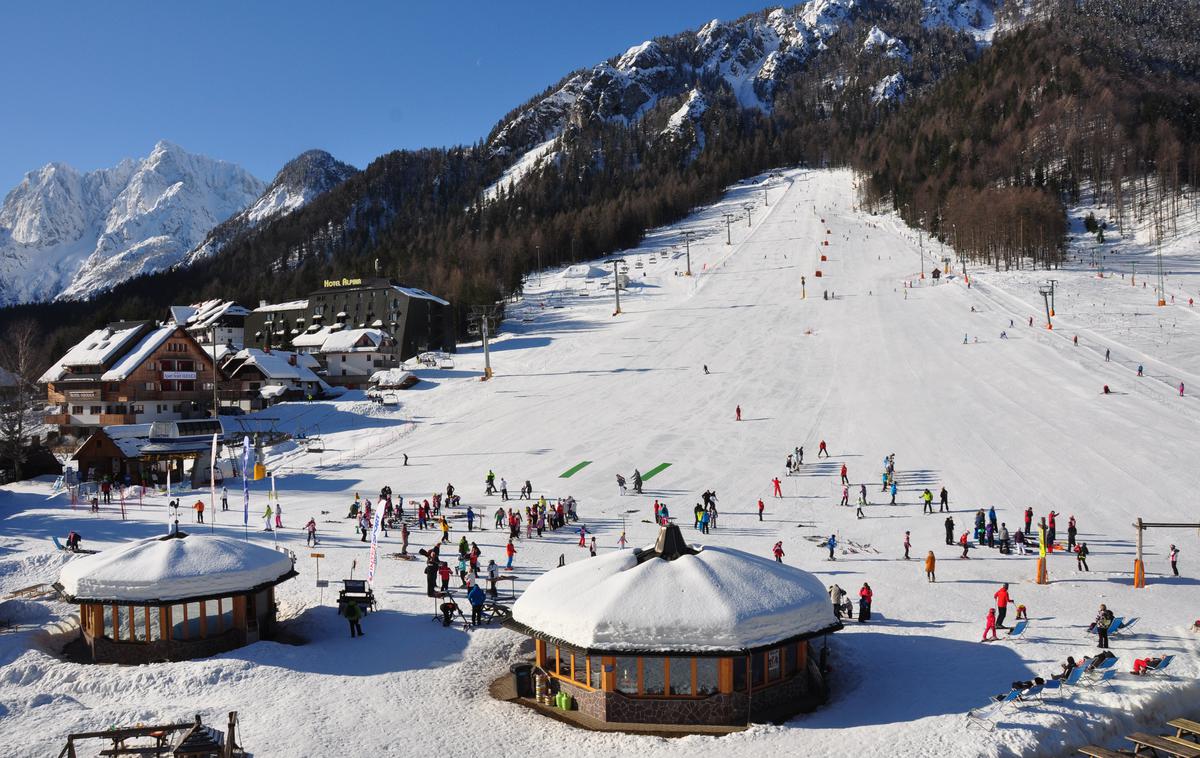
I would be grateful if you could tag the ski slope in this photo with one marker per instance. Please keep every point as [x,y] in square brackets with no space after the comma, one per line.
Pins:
[880,368]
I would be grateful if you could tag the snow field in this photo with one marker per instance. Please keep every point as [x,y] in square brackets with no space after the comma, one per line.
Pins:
[1008,423]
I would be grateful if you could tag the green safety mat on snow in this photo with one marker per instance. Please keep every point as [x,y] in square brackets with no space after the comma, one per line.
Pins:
[654,472]
[573,470]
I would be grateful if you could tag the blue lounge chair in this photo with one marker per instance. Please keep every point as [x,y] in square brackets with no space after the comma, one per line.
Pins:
[1030,695]
[1018,629]
[1156,670]
[982,717]
[57,544]
[1125,625]
[1105,678]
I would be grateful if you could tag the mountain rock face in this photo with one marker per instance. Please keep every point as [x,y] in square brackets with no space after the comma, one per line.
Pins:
[303,178]
[748,58]
[69,235]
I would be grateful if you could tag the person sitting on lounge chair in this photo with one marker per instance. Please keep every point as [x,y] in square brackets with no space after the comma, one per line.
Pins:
[1142,665]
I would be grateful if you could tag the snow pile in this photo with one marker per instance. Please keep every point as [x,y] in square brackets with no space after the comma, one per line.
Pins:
[173,568]
[718,599]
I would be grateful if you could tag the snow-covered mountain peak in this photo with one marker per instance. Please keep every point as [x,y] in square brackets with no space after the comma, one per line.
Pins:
[66,234]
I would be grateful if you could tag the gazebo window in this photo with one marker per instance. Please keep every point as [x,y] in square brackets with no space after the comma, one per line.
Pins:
[564,663]
[758,670]
[223,618]
[595,669]
[579,661]
[654,676]
[627,675]
[680,676]
[707,677]
[774,664]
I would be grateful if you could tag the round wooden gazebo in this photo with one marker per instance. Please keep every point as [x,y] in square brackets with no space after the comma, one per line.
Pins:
[175,597]
[676,634]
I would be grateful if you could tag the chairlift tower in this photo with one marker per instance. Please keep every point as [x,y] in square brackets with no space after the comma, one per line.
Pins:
[481,318]
[1044,291]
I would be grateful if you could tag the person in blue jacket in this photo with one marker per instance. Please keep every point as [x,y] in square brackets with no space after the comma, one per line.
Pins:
[831,544]
[476,596]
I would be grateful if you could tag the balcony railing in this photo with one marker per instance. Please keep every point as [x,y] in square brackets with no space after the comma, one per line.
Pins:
[57,419]
[117,419]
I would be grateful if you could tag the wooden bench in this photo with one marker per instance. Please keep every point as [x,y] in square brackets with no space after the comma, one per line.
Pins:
[31,592]
[1101,752]
[1161,746]
[1185,726]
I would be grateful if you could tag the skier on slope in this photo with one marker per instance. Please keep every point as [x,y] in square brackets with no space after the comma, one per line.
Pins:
[927,498]
[821,449]
[760,509]
[778,491]
[845,479]
[777,551]
[991,625]
[845,495]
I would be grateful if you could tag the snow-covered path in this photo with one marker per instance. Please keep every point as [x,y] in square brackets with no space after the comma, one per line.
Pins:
[1005,423]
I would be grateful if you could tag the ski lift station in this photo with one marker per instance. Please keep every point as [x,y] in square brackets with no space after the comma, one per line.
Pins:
[675,634]
[174,597]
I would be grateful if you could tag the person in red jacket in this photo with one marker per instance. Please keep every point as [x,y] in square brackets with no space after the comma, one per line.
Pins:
[510,551]
[1002,602]
[991,625]
[760,509]
[778,551]
[822,449]
[845,479]
[864,603]
[738,411]
[963,541]
[776,482]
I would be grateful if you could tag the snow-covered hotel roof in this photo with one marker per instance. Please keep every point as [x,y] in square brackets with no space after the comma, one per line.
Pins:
[173,568]
[695,600]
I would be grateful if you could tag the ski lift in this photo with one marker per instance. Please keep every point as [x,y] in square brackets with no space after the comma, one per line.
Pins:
[390,398]
[314,445]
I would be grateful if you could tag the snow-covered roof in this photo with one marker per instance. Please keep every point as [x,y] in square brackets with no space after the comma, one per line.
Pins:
[315,338]
[288,306]
[713,599]
[278,365]
[96,349]
[203,315]
[139,354]
[392,377]
[348,341]
[420,294]
[173,568]
[129,438]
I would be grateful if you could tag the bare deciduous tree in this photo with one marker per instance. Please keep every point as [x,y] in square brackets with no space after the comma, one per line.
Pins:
[18,392]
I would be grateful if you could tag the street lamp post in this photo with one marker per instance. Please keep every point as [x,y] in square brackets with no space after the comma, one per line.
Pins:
[1044,290]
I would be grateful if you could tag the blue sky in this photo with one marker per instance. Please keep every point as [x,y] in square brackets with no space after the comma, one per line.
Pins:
[256,83]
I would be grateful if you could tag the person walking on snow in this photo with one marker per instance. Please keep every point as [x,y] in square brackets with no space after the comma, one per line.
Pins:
[820,449]
[930,567]
[927,497]
[510,551]
[278,516]
[760,509]
[199,506]
[1081,557]
[503,488]
[1028,519]
[621,541]
[778,491]
[621,483]
[944,499]
[267,519]
[224,498]
[907,544]
[949,530]
[738,411]
[1002,602]
[470,519]
[1071,532]
[845,495]
[893,492]
[862,494]
[865,596]
[1173,554]
[831,543]
[777,551]
[845,479]
[991,625]
[354,615]
[311,529]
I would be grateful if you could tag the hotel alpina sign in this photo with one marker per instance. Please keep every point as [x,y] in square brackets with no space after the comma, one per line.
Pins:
[344,282]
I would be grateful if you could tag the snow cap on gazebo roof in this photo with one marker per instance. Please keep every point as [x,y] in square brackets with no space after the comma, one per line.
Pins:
[675,598]
[175,567]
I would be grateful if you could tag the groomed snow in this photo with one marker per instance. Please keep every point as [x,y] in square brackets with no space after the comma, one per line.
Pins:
[173,569]
[719,599]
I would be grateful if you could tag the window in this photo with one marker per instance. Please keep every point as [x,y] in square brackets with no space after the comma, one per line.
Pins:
[579,661]
[138,408]
[707,678]
[185,621]
[151,386]
[654,676]
[223,619]
[791,659]
[757,670]
[77,409]
[739,674]
[774,665]
[110,614]
[94,410]
[123,612]
[564,662]
[186,365]
[595,668]
[681,676]
[185,385]
[627,675]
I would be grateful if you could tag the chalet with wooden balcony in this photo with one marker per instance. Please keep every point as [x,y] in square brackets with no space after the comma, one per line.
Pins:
[129,373]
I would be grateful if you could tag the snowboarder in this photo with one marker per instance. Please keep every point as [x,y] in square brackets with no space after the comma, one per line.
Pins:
[865,596]
[991,625]
[778,491]
[354,615]
[1173,554]
[73,540]
[760,509]
[831,543]
[949,530]
[1139,373]
[738,411]
[621,483]
[845,479]
[820,449]
[907,544]
[930,567]
[777,551]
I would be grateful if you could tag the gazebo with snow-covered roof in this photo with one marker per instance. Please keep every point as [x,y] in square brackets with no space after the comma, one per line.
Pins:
[677,634]
[175,597]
